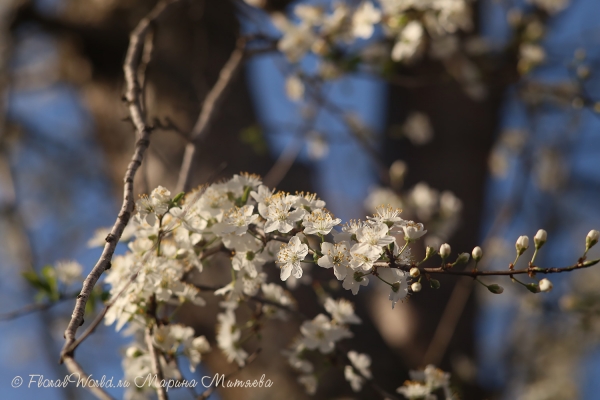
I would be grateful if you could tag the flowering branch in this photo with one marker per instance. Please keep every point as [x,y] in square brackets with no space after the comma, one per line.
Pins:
[155,360]
[143,132]
[531,270]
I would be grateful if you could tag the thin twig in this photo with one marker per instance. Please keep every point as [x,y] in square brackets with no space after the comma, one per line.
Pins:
[258,299]
[31,308]
[529,271]
[283,163]
[450,317]
[210,106]
[156,369]
[92,327]
[143,133]
[75,368]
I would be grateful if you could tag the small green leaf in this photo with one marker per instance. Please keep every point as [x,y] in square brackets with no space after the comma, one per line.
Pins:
[178,198]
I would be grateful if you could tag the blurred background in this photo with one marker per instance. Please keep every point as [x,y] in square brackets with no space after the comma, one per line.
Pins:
[481,144]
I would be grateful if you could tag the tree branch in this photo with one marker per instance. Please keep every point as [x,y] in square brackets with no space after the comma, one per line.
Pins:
[31,308]
[75,368]
[132,96]
[156,369]
[209,108]
[530,270]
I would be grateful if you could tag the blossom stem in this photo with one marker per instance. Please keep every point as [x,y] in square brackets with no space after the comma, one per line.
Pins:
[516,259]
[518,281]
[403,247]
[383,280]
[534,255]
[477,279]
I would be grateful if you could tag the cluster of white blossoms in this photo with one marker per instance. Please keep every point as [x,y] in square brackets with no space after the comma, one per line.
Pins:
[319,337]
[441,211]
[265,233]
[344,34]
[424,383]
[405,24]
[175,237]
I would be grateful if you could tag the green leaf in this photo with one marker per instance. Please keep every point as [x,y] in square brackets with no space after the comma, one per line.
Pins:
[253,136]
[49,274]
[178,198]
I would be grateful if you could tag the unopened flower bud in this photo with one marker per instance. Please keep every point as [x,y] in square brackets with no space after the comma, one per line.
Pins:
[416,287]
[522,244]
[540,238]
[414,272]
[591,239]
[533,287]
[545,285]
[462,258]
[496,289]
[434,283]
[477,253]
[429,252]
[445,251]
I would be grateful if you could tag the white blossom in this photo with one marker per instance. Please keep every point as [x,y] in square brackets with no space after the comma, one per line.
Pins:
[413,231]
[362,362]
[297,39]
[290,256]
[308,201]
[417,128]
[415,391]
[319,221]
[336,256]
[149,208]
[294,88]
[309,382]
[276,294]
[374,234]
[398,281]
[279,214]
[68,272]
[342,311]
[228,336]
[433,377]
[321,334]
[364,256]
[354,281]
[356,381]
[408,42]
[364,19]
[387,215]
